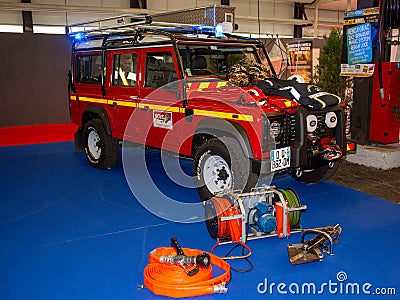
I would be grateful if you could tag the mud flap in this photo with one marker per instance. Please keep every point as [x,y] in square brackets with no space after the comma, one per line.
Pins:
[78,137]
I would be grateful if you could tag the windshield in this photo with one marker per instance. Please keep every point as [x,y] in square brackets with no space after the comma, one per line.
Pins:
[215,60]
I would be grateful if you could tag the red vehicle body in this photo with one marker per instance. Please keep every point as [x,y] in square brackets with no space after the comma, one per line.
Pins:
[172,100]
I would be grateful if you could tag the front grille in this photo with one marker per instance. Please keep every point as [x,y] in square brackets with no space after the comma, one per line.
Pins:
[287,129]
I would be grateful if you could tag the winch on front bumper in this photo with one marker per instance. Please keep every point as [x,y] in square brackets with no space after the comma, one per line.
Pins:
[315,138]
[319,138]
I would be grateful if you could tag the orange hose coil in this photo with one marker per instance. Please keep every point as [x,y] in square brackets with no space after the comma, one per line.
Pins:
[227,229]
[172,281]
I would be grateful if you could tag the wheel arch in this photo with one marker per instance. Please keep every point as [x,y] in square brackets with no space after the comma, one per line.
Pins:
[213,127]
[96,112]
[91,112]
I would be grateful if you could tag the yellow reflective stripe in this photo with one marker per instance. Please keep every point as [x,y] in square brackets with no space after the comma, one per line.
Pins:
[105,101]
[159,107]
[199,112]
[96,100]
[203,85]
[223,115]
[206,85]
[125,103]
[222,84]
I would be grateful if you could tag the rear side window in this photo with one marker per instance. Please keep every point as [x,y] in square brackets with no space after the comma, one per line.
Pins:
[125,69]
[88,68]
[160,69]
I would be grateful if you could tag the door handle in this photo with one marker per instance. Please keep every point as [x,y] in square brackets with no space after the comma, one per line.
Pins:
[113,105]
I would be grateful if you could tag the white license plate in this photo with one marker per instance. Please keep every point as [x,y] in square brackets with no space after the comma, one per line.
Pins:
[280,159]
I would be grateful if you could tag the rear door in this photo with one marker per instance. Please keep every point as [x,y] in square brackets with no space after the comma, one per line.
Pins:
[87,84]
[160,108]
[122,88]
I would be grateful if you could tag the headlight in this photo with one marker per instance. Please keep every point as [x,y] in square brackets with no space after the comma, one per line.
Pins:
[311,123]
[331,119]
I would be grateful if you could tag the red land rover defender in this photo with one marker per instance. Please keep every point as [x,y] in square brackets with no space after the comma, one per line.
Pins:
[174,86]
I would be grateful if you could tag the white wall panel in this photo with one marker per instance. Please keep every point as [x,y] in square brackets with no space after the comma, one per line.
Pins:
[11,17]
[57,2]
[99,3]
[157,4]
[116,3]
[242,7]
[85,3]
[178,4]
[326,15]
[284,10]
[74,18]
[309,31]
[205,3]
[269,9]
[46,18]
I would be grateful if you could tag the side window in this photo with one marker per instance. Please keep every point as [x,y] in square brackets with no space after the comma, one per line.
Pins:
[160,69]
[88,68]
[125,69]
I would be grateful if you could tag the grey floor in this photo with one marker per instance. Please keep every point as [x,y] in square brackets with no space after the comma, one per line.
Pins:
[380,183]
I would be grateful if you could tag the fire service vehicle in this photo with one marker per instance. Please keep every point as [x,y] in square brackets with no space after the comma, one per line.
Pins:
[197,92]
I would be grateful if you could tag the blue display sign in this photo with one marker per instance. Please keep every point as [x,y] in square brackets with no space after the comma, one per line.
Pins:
[359,44]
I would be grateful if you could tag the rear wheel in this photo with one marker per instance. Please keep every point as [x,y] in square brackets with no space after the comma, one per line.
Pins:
[101,150]
[319,174]
[220,164]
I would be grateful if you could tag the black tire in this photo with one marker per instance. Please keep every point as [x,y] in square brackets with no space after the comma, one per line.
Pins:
[319,174]
[101,150]
[215,157]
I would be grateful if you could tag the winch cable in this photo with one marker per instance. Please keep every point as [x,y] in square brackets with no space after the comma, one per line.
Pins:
[172,281]
[389,18]
[230,229]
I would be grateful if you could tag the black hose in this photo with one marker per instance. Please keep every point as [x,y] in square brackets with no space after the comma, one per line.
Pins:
[389,18]
[381,22]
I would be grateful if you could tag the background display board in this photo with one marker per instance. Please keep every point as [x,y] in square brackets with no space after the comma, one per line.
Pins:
[360,30]
[300,59]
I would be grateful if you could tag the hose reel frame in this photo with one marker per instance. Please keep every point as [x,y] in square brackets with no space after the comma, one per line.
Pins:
[228,214]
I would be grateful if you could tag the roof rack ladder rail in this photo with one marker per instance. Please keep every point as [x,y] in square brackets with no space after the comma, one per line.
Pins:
[146,20]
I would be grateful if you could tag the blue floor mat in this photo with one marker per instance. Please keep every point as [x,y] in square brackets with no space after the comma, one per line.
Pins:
[69,231]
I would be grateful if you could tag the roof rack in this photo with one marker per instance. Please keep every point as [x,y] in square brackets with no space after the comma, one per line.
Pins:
[199,20]
[96,27]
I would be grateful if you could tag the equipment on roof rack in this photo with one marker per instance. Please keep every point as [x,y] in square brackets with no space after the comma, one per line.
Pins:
[103,26]
[215,20]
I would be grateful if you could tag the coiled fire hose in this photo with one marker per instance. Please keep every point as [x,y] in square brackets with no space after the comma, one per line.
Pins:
[230,230]
[173,281]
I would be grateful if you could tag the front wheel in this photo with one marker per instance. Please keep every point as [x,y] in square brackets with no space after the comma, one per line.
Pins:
[101,150]
[220,164]
[319,174]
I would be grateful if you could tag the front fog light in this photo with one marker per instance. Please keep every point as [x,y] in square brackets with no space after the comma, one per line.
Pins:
[331,119]
[311,123]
